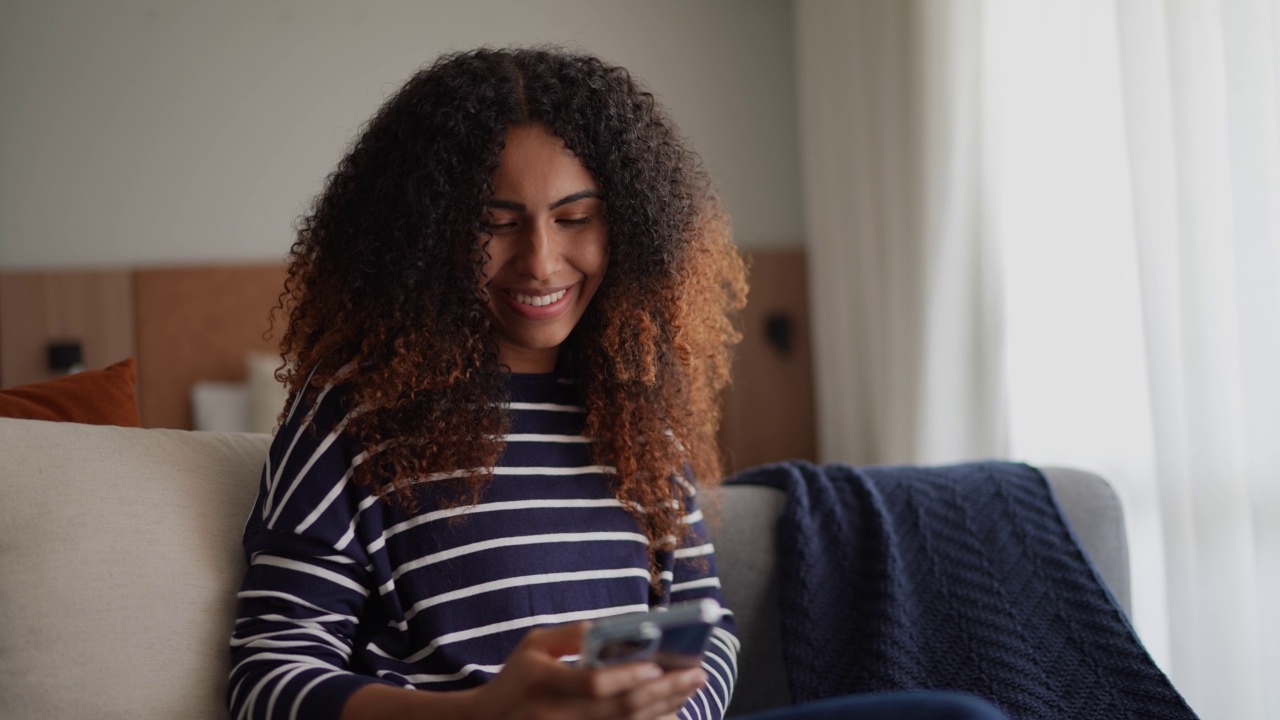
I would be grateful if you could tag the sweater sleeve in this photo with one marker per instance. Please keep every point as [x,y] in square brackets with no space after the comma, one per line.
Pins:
[693,578]
[308,578]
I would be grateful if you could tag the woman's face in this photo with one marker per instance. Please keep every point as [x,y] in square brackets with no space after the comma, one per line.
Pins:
[549,247]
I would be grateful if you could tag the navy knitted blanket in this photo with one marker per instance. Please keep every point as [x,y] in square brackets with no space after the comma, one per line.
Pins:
[952,578]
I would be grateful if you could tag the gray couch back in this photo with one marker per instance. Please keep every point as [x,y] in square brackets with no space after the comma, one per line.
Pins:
[120,552]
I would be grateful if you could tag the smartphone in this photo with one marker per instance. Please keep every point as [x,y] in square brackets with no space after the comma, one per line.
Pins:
[674,638]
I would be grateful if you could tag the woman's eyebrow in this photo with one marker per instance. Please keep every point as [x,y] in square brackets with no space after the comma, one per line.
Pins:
[581,194]
[512,205]
[504,204]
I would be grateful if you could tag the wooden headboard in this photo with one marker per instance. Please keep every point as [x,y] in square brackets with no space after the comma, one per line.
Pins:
[182,324]
[186,324]
[198,324]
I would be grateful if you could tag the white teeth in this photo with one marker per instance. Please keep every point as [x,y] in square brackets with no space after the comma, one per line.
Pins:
[538,300]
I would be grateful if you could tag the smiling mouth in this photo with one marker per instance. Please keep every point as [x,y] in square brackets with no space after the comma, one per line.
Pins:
[537,300]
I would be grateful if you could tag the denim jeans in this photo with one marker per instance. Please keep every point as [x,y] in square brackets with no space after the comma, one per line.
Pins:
[916,705]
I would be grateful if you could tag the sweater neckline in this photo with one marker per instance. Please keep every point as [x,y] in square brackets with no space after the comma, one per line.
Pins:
[535,387]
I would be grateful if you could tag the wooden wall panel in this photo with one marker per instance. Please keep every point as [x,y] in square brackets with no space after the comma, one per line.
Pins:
[94,308]
[198,323]
[769,412]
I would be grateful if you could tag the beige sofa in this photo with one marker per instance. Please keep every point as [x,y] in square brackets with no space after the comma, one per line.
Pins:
[120,559]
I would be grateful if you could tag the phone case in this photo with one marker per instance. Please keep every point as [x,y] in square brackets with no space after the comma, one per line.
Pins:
[675,637]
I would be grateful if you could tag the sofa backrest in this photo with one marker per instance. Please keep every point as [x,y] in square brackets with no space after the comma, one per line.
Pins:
[741,520]
[119,563]
[120,559]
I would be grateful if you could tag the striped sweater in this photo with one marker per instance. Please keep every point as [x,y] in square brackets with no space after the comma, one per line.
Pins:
[344,589]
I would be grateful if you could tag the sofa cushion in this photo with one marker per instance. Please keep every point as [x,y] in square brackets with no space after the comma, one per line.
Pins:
[99,397]
[119,562]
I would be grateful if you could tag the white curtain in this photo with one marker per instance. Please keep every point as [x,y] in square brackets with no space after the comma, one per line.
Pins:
[1050,230]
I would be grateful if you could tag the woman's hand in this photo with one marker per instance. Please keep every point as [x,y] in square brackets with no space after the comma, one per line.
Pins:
[535,685]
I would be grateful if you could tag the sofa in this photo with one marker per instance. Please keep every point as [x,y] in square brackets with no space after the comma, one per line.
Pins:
[120,559]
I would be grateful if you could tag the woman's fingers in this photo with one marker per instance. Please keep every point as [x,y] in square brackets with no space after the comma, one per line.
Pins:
[653,699]
[667,695]
[638,691]
[536,683]
[558,640]
[600,683]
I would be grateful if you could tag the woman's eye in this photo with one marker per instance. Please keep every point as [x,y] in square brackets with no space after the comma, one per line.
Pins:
[499,227]
[575,221]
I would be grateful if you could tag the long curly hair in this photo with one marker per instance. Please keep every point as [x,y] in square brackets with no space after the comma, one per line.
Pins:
[384,292]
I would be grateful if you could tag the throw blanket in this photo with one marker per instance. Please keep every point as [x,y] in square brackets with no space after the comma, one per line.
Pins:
[960,578]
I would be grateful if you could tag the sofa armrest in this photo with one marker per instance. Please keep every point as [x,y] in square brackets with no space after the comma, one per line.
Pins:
[1094,513]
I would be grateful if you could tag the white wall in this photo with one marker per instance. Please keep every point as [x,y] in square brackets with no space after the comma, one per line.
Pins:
[173,132]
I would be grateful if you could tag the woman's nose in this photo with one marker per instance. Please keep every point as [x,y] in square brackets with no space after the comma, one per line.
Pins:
[539,254]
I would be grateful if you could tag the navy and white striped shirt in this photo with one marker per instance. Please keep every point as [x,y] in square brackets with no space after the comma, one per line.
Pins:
[344,589]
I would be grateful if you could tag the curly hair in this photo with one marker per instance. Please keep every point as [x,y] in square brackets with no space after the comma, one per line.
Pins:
[384,277]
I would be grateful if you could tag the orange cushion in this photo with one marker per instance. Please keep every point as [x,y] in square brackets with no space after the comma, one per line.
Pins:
[97,397]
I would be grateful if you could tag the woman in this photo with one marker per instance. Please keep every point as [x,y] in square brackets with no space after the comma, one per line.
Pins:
[510,316]
[520,269]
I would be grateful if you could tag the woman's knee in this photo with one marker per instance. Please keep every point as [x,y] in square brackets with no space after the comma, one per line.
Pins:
[956,706]
[912,705]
